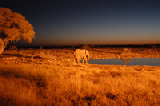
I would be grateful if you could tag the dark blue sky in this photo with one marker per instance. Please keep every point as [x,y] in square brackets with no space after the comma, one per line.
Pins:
[90,21]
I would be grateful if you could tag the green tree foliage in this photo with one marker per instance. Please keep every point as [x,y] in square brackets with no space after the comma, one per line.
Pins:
[14,26]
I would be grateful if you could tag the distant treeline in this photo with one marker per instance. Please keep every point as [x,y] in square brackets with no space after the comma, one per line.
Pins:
[90,46]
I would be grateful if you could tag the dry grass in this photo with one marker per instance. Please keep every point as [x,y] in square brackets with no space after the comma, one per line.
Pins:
[80,85]
[67,84]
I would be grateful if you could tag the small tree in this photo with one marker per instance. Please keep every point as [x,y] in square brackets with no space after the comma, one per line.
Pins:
[12,47]
[86,47]
[41,47]
[14,26]
[81,46]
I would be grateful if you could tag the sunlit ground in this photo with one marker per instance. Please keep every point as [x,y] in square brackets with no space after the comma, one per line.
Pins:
[49,77]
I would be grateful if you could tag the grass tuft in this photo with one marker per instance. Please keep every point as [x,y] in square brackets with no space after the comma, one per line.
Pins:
[68,84]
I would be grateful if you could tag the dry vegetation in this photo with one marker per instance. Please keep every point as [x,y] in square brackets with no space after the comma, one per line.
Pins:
[49,77]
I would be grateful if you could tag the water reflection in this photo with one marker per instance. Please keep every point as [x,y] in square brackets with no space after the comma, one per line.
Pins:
[127,61]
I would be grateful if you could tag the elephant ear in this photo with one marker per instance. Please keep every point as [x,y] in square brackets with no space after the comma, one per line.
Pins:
[86,52]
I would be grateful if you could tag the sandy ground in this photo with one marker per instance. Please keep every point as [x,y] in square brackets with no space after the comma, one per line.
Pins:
[65,56]
[82,83]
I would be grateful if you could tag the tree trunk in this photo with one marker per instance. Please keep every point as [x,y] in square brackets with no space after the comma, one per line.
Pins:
[1,46]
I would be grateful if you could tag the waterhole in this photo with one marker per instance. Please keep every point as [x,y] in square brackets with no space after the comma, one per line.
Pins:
[129,61]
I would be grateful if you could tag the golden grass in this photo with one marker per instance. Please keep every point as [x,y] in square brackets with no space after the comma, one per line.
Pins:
[79,85]
[49,77]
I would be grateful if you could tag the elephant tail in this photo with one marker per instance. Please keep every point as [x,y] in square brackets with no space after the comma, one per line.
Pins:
[74,58]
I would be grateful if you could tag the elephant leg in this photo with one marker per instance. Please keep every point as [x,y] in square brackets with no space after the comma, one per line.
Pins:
[78,60]
[74,60]
[83,61]
[86,61]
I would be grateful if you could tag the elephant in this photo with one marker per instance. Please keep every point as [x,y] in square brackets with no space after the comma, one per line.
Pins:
[81,55]
[1,46]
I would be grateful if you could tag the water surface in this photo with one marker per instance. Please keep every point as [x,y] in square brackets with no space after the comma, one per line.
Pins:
[132,61]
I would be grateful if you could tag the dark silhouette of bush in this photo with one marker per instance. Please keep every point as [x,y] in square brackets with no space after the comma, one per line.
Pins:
[85,47]
[12,47]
